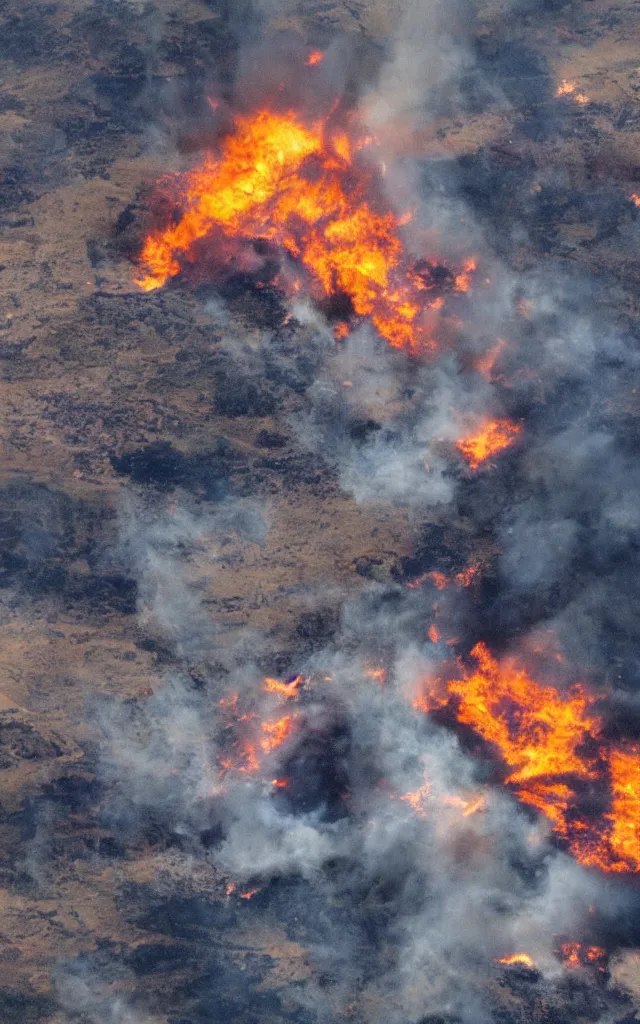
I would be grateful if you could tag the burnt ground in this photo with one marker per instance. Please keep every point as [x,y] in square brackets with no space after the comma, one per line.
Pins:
[106,391]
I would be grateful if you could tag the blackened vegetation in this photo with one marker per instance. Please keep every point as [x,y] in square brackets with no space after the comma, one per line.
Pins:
[20,740]
[42,531]
[165,467]
[317,628]
[237,394]
[17,1008]
[29,37]
[204,970]
[317,772]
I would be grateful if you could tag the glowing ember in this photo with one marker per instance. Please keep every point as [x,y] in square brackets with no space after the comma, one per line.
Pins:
[517,959]
[571,89]
[493,437]
[635,198]
[301,188]
[315,57]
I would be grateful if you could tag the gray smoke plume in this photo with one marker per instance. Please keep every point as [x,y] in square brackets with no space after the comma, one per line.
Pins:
[407,871]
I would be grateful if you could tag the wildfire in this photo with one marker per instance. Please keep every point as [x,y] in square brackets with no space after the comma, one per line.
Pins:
[485,363]
[537,730]
[551,743]
[440,581]
[574,954]
[248,895]
[418,798]
[466,807]
[571,89]
[493,437]
[275,733]
[517,959]
[287,689]
[377,673]
[617,846]
[301,188]
[315,57]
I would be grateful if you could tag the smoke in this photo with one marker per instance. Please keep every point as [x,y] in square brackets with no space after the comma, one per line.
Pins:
[86,994]
[157,539]
[401,864]
[407,871]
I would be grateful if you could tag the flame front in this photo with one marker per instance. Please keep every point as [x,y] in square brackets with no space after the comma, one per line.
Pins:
[552,744]
[301,188]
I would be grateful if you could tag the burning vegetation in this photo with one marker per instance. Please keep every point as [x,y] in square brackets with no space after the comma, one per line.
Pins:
[553,748]
[309,191]
[491,439]
[309,197]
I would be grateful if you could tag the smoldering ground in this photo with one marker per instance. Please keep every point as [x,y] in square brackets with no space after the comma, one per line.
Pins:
[365,855]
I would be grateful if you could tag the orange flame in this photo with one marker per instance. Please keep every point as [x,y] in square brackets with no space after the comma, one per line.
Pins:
[249,894]
[570,89]
[298,187]
[467,807]
[418,798]
[617,846]
[493,437]
[485,363]
[289,689]
[537,730]
[635,198]
[467,576]
[315,57]
[378,674]
[574,954]
[550,741]
[462,281]
[522,959]
[276,733]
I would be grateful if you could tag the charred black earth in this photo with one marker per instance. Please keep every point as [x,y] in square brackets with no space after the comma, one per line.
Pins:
[202,489]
